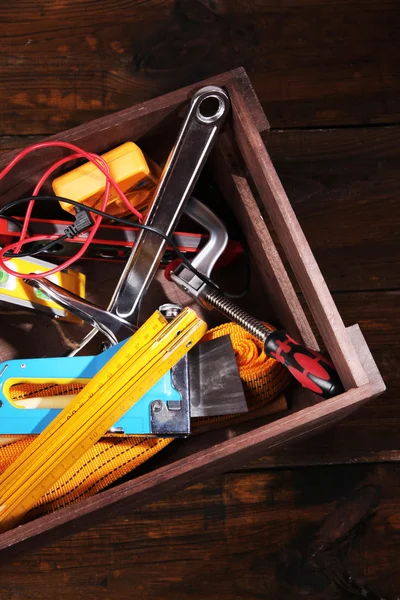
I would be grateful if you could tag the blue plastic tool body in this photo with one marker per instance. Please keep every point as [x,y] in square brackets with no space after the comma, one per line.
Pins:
[18,421]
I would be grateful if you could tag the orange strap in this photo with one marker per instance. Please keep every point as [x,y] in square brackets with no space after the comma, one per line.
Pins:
[115,456]
[263,378]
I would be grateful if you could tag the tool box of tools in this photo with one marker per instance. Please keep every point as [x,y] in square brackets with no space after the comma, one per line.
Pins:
[164,366]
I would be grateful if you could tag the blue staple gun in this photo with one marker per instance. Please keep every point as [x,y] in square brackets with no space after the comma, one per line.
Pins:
[162,412]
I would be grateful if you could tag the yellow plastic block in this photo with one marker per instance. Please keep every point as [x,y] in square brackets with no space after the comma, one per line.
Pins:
[14,291]
[128,166]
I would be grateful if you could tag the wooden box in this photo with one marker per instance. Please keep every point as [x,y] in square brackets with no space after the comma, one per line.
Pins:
[241,168]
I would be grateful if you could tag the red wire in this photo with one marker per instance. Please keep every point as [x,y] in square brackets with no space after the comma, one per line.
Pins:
[100,164]
[68,262]
[85,154]
[42,181]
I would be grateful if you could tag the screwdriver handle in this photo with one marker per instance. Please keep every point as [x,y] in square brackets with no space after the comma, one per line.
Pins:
[312,369]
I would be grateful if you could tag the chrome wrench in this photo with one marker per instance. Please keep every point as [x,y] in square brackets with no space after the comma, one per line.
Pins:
[204,119]
[103,321]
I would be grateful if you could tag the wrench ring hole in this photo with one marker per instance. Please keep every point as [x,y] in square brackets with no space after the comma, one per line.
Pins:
[210,108]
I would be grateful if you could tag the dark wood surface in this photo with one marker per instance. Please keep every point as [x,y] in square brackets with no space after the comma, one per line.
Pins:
[298,521]
[282,534]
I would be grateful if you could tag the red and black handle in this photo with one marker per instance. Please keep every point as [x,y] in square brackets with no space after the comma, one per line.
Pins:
[312,369]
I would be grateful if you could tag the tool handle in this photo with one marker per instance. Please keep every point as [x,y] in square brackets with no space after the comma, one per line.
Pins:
[312,369]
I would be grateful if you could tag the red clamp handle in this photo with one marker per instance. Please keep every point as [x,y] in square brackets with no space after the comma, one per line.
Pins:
[312,369]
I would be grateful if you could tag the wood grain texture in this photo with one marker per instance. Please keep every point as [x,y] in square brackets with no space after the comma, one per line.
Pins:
[274,535]
[343,185]
[312,62]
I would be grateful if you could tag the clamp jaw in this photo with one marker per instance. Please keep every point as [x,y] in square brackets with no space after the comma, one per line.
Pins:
[206,259]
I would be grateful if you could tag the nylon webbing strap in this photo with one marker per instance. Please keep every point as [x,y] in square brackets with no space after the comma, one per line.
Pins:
[112,457]
[263,377]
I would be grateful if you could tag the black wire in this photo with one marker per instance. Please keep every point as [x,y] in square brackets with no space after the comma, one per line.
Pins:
[101,213]
[41,248]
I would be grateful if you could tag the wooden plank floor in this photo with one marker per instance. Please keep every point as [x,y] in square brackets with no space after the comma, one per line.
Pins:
[319,518]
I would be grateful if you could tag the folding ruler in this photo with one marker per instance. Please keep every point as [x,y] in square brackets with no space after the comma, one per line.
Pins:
[131,372]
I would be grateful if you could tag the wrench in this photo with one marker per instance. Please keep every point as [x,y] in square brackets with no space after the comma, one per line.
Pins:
[112,326]
[204,119]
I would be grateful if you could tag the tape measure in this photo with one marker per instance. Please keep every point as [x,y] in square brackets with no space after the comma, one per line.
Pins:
[130,373]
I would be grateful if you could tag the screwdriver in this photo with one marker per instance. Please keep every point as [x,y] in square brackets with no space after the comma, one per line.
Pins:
[312,369]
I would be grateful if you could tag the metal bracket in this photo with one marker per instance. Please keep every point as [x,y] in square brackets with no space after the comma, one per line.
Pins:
[172,418]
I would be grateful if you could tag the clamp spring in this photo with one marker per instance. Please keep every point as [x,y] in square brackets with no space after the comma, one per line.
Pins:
[238,315]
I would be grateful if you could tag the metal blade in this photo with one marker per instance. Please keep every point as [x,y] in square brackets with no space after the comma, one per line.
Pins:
[215,384]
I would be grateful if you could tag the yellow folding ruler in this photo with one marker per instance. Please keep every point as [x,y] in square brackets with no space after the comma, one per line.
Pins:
[130,373]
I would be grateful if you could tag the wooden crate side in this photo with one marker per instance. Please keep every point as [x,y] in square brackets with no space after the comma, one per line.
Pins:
[234,186]
[235,449]
[296,247]
[366,359]
[242,83]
